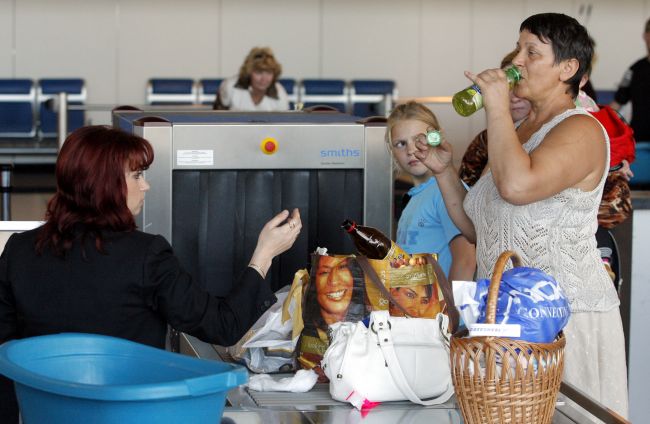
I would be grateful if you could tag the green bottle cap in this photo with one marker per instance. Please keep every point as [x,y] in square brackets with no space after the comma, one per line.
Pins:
[434,138]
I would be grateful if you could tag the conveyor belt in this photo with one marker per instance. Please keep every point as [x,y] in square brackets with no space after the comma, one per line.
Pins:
[318,396]
[318,406]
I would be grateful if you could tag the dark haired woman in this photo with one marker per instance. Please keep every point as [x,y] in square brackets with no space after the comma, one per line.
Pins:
[256,88]
[88,269]
[540,192]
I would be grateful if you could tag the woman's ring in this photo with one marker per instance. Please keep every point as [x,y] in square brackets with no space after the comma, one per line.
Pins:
[292,225]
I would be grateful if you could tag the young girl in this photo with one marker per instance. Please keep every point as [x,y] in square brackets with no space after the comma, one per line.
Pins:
[425,226]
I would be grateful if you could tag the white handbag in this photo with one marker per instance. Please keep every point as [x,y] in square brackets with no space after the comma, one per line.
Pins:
[395,358]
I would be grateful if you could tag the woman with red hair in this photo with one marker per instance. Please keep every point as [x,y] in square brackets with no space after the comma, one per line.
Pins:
[88,269]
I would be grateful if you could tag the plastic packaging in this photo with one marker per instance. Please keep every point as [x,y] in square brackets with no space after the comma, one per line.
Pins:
[530,298]
[269,345]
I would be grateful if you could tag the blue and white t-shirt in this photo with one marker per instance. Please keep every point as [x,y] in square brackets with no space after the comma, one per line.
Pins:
[425,226]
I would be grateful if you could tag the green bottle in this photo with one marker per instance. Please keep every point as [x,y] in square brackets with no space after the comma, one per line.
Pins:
[470,100]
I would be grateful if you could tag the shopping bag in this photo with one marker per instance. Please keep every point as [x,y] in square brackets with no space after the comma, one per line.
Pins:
[418,289]
[335,293]
[269,345]
[348,288]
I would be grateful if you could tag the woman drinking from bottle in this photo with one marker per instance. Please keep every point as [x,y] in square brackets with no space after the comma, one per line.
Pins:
[540,191]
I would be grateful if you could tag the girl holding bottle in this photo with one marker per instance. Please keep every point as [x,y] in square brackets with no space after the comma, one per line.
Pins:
[425,226]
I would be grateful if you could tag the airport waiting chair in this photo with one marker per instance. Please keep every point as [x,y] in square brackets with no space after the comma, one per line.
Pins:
[605,97]
[17,106]
[372,97]
[641,166]
[51,87]
[171,91]
[328,92]
[291,87]
[208,90]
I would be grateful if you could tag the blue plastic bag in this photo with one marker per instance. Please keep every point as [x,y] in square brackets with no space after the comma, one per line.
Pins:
[528,297]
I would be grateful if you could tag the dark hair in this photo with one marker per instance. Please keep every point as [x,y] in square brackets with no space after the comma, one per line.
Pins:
[589,90]
[647,25]
[357,309]
[568,39]
[91,188]
[428,292]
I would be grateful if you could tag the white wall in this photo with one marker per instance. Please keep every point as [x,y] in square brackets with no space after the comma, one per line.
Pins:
[116,45]
[425,45]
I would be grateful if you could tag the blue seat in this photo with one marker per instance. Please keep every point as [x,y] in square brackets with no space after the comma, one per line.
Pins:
[49,88]
[171,91]
[328,92]
[641,166]
[290,86]
[372,97]
[605,97]
[208,90]
[17,105]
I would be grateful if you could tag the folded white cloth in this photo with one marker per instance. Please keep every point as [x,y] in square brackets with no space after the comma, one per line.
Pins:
[301,382]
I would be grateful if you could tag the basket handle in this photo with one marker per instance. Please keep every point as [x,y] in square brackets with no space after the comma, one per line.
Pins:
[495,282]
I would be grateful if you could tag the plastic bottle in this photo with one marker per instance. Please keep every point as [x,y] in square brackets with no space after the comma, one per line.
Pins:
[372,243]
[470,100]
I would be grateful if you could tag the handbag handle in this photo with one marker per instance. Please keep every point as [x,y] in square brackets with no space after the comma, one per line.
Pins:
[447,292]
[370,272]
[443,283]
[385,342]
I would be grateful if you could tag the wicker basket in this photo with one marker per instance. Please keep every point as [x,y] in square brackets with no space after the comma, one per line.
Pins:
[500,380]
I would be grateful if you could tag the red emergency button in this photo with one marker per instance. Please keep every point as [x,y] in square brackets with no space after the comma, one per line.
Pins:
[269,146]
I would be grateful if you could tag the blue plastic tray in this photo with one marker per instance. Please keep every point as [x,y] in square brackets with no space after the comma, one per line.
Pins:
[69,378]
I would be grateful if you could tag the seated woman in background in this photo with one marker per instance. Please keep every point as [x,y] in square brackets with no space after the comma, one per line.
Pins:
[425,226]
[88,269]
[540,192]
[256,88]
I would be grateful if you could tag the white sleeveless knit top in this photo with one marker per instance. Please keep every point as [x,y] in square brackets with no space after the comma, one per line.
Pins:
[556,235]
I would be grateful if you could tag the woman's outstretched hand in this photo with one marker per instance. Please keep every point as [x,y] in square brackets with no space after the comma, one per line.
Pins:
[277,236]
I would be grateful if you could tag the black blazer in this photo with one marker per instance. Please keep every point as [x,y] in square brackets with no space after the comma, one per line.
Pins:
[132,291]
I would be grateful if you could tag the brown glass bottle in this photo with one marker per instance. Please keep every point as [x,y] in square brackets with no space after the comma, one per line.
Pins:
[372,243]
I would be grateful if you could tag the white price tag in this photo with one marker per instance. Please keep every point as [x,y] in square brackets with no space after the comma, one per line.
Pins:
[496,330]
